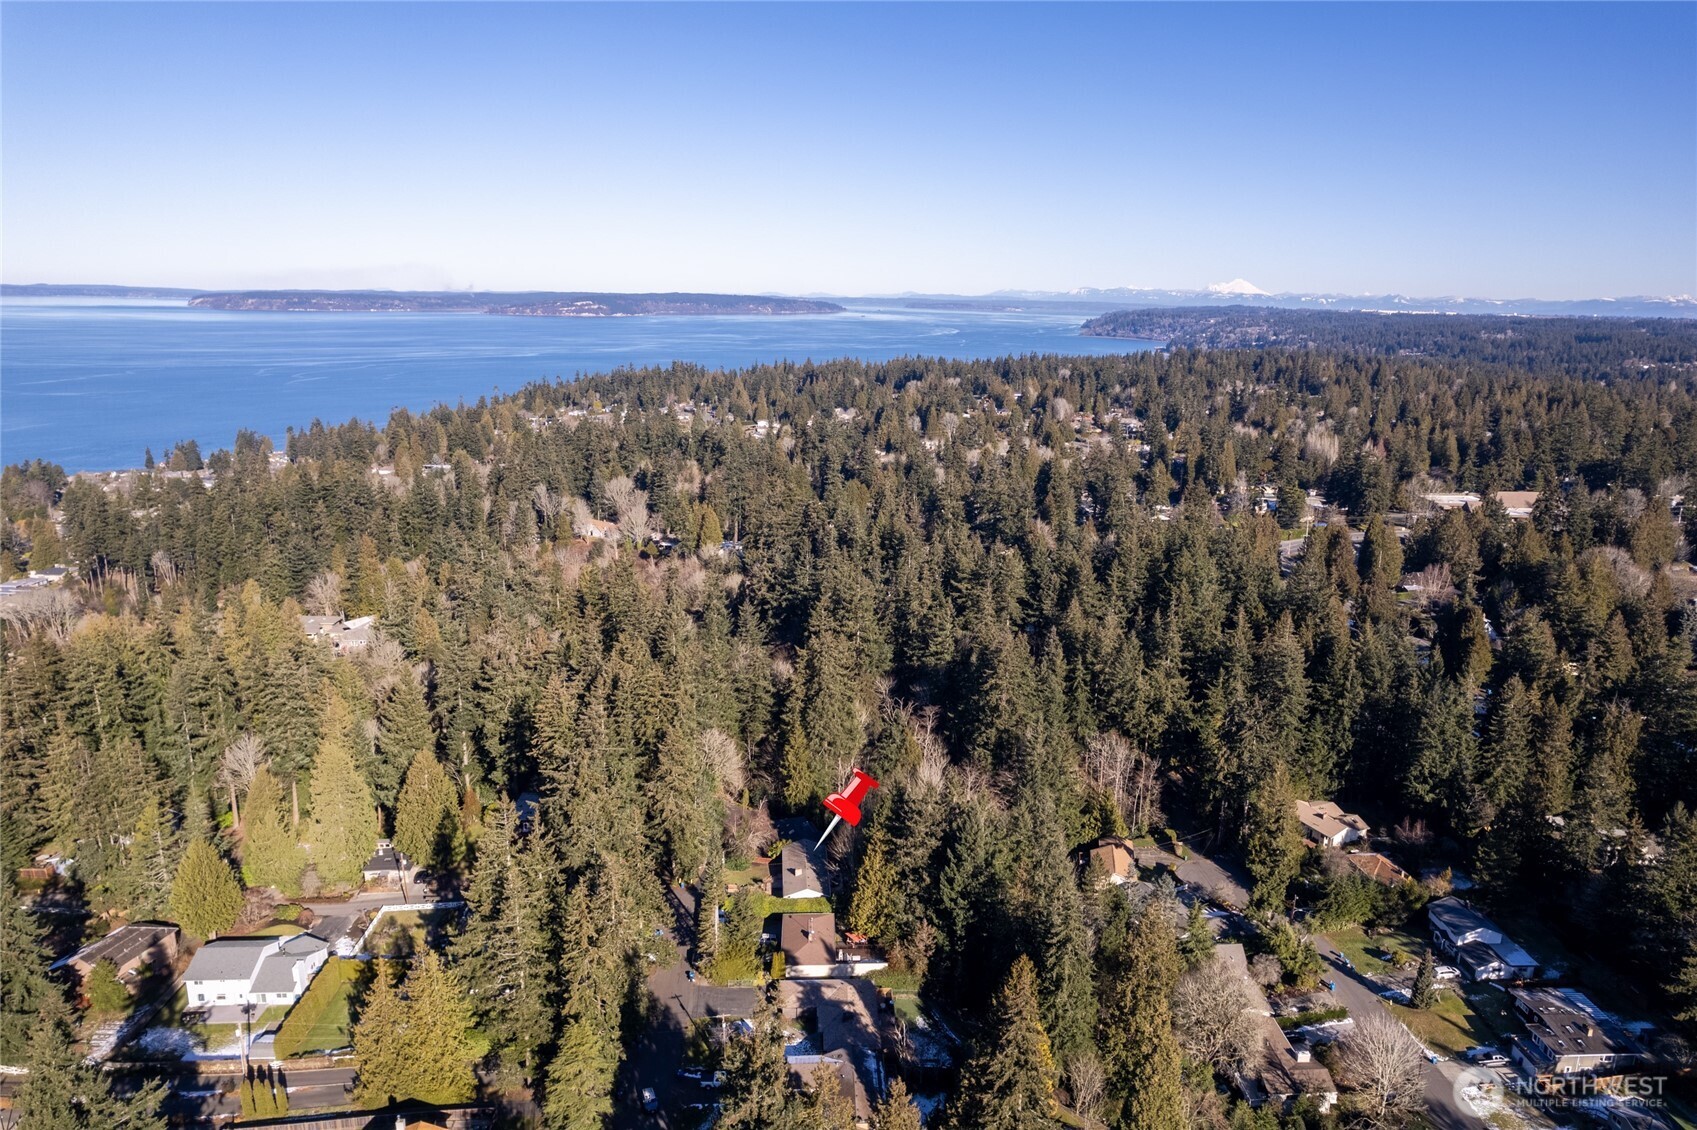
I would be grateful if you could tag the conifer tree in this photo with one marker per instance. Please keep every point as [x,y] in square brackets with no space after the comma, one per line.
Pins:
[438,1020]
[63,1092]
[896,1111]
[403,732]
[756,1091]
[1139,1050]
[271,854]
[206,900]
[1196,948]
[344,821]
[875,907]
[380,1045]
[24,986]
[427,814]
[1273,839]
[1425,991]
[1009,1084]
[707,911]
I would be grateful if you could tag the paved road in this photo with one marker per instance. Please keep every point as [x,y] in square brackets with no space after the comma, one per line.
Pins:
[1225,883]
[1444,1109]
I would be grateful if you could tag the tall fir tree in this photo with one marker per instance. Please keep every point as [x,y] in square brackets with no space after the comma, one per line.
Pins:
[64,1092]
[271,854]
[427,814]
[1140,1053]
[206,900]
[344,817]
[1009,1083]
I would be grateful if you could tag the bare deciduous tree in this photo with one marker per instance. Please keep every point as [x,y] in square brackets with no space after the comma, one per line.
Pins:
[237,765]
[582,520]
[1387,1069]
[1088,1082]
[1212,1015]
[323,594]
[1265,970]
[1129,776]
[724,759]
[631,503]
[165,570]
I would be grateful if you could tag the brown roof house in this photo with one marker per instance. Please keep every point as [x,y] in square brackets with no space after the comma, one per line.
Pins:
[130,949]
[1328,825]
[1377,868]
[844,1038]
[812,949]
[1118,861]
[1567,1036]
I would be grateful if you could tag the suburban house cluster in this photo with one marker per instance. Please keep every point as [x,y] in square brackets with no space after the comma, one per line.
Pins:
[1284,1071]
[1325,825]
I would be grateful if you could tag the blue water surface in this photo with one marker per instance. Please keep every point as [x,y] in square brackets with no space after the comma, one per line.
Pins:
[90,383]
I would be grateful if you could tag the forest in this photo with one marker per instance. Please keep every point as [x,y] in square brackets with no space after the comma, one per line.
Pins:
[1041,599]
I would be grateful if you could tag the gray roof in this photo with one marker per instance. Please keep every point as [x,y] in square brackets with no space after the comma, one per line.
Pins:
[1456,917]
[796,871]
[227,959]
[125,944]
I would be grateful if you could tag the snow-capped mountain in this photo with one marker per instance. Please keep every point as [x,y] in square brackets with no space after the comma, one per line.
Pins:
[1240,292]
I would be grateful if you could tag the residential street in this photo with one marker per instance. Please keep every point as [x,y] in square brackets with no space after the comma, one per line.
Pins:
[1356,993]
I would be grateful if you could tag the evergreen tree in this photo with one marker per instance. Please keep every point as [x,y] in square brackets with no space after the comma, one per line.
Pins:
[206,900]
[271,854]
[896,1111]
[1425,991]
[344,818]
[403,732]
[427,815]
[438,1020]
[1009,1083]
[1196,948]
[24,985]
[1140,1053]
[1273,840]
[106,994]
[380,1043]
[63,1092]
[707,911]
[875,908]
[756,1091]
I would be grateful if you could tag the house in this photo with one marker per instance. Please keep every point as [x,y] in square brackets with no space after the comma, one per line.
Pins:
[597,530]
[1475,944]
[256,971]
[1328,825]
[1117,860]
[130,949]
[344,636]
[1379,869]
[1283,1072]
[1568,1035]
[387,868]
[844,1038]
[797,877]
[1518,503]
[811,948]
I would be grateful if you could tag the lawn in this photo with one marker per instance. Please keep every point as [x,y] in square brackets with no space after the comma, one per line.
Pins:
[403,933]
[320,1019]
[907,1006]
[1362,951]
[1459,1022]
[278,930]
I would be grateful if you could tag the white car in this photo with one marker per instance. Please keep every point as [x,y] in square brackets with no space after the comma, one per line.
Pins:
[1448,972]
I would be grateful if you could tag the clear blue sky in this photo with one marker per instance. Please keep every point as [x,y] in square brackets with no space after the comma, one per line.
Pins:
[1431,149]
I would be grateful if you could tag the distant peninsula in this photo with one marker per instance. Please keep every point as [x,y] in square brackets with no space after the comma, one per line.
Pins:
[533,304]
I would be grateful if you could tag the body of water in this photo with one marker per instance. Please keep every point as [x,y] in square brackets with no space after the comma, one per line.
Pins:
[91,384]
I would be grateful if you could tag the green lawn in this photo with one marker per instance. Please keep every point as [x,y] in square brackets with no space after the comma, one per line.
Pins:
[1458,1022]
[407,932]
[319,1021]
[278,930]
[907,1006]
[1363,951]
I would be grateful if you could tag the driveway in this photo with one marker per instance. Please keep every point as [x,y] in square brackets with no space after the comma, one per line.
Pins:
[675,1004]
[1444,1109]
[1224,883]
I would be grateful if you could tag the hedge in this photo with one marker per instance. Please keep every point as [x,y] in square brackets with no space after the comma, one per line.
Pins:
[1317,1016]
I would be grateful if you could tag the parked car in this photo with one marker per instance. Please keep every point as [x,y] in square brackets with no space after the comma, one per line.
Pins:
[650,1101]
[1486,1057]
[1396,996]
[1448,972]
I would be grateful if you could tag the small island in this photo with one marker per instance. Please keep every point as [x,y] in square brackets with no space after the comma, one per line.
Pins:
[533,304]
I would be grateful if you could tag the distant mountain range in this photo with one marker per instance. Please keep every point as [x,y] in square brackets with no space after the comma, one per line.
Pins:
[1241,293]
[1085,300]
[534,304]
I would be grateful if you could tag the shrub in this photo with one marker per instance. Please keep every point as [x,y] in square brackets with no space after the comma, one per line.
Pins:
[778,965]
[287,912]
[1314,1016]
[106,994]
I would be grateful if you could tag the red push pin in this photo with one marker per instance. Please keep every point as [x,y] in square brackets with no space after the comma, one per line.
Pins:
[846,804]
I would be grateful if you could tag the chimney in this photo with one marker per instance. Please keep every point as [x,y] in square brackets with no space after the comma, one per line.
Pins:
[1303,1055]
[400,1122]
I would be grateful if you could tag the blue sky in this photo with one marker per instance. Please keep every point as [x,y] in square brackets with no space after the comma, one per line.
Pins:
[1515,150]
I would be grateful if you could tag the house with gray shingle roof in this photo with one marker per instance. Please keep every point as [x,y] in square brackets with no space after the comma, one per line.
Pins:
[257,971]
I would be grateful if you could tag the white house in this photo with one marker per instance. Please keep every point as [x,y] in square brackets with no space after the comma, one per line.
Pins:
[1476,944]
[1325,823]
[256,971]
